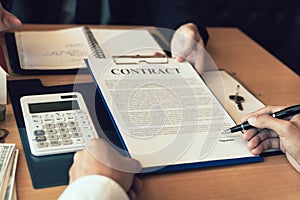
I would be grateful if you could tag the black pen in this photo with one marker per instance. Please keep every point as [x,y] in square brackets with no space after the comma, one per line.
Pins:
[287,112]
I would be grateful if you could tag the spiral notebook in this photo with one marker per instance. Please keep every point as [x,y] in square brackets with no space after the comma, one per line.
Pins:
[65,49]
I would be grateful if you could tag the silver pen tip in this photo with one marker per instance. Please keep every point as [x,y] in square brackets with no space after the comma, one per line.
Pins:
[227,131]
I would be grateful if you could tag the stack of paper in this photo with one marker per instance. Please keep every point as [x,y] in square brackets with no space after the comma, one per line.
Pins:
[8,165]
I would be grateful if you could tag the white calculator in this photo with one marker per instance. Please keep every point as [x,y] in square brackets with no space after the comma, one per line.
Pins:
[57,123]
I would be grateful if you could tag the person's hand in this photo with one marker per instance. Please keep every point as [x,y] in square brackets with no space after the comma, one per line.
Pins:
[274,133]
[7,19]
[100,159]
[187,44]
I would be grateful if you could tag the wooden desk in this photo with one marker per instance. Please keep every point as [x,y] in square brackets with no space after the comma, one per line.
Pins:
[271,81]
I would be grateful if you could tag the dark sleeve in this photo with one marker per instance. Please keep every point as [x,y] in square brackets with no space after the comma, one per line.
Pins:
[7,4]
[173,13]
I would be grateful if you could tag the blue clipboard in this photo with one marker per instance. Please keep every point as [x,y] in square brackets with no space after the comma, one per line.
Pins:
[170,167]
[48,171]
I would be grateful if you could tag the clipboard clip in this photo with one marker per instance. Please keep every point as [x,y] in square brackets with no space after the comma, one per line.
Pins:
[136,59]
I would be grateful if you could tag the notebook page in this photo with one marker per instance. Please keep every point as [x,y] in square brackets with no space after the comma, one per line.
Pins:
[58,49]
[116,42]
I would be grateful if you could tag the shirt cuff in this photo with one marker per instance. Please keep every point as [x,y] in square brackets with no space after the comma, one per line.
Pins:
[94,187]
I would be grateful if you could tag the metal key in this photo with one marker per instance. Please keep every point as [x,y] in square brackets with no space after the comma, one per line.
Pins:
[237,99]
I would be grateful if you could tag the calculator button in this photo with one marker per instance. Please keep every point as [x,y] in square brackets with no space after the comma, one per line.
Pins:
[89,135]
[55,143]
[82,117]
[67,142]
[39,132]
[65,136]
[62,124]
[75,129]
[71,118]
[59,119]
[86,128]
[80,112]
[49,126]
[37,120]
[76,135]
[63,130]
[78,140]
[40,138]
[48,116]
[84,122]
[72,124]
[35,116]
[53,137]
[48,120]
[69,114]
[58,114]
[51,131]
[42,144]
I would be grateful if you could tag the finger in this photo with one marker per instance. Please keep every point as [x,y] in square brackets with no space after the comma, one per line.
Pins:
[200,59]
[266,121]
[182,46]
[296,119]
[131,194]
[137,185]
[184,40]
[260,137]
[265,145]
[104,153]
[249,134]
[12,20]
[76,159]
[265,110]
[71,174]
[179,58]
[9,22]
[293,162]
[9,19]
[159,54]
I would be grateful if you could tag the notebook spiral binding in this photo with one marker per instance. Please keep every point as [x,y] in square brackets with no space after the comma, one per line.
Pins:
[93,44]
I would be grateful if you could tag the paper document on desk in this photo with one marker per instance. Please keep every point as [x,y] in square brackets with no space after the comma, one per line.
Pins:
[66,48]
[223,85]
[166,115]
[8,165]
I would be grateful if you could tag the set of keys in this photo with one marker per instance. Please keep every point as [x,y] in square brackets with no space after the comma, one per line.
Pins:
[237,99]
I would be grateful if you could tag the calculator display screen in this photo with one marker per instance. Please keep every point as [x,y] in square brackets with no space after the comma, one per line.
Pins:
[53,106]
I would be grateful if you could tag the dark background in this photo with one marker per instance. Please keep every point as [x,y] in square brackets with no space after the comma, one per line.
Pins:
[274,24]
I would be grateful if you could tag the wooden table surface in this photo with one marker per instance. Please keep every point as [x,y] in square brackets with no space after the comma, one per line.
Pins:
[264,75]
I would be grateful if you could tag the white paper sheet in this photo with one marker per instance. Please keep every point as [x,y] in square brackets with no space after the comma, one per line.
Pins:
[67,48]
[165,113]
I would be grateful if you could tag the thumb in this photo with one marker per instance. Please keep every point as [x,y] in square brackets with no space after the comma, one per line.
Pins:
[11,19]
[269,122]
[107,155]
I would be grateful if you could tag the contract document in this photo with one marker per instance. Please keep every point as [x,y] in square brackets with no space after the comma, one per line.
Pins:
[166,116]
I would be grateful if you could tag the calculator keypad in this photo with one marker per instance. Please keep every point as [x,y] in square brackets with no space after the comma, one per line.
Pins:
[54,131]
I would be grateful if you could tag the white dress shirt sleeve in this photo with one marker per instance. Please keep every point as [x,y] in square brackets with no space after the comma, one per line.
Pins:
[94,187]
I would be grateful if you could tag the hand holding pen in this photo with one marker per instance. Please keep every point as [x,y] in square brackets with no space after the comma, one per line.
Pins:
[272,132]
